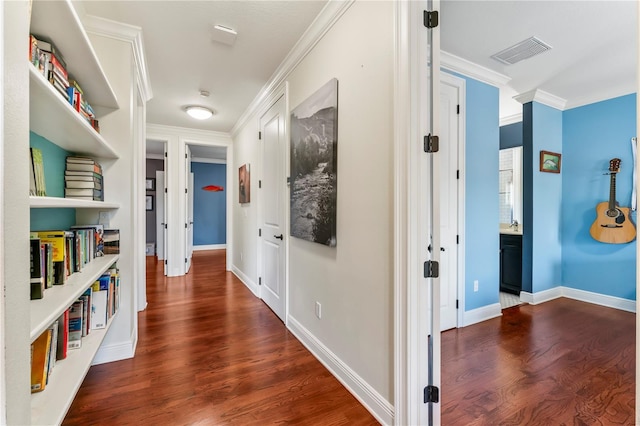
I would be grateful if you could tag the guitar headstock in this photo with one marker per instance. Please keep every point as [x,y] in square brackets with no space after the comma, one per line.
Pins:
[614,165]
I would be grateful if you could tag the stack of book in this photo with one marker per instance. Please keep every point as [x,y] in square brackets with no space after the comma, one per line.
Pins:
[49,61]
[83,179]
[80,104]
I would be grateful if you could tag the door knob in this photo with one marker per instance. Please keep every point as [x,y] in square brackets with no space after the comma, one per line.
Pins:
[278,237]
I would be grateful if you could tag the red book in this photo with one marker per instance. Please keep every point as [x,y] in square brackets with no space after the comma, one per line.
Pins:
[63,335]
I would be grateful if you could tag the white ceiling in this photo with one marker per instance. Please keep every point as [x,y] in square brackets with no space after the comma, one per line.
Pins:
[594,53]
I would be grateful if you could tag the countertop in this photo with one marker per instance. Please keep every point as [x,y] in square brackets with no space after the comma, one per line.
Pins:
[508,230]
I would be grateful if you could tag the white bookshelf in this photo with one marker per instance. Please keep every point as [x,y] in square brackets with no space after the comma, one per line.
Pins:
[51,405]
[70,203]
[52,117]
[58,298]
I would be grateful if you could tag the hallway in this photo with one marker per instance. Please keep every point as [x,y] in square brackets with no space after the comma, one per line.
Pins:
[210,353]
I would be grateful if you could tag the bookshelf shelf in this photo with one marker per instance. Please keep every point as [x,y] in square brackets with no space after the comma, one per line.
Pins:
[53,118]
[70,203]
[51,405]
[58,298]
[58,21]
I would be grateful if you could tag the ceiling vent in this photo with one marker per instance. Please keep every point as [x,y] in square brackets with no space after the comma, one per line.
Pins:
[521,51]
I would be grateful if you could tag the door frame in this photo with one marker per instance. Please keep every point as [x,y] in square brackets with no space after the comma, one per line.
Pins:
[281,92]
[461,85]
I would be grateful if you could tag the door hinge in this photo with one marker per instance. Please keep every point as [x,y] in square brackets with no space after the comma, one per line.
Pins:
[186,156]
[259,280]
[457,174]
[165,262]
[185,260]
[260,136]
[457,304]
[431,143]
[165,190]
[457,239]
[259,232]
[458,109]
[259,184]
[165,155]
[431,269]
[165,226]
[186,190]
[186,226]
[431,394]
[430,18]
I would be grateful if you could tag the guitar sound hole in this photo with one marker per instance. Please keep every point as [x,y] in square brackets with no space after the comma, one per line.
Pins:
[613,213]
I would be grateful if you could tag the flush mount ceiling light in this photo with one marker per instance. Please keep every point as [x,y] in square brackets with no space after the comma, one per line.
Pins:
[199,112]
[223,34]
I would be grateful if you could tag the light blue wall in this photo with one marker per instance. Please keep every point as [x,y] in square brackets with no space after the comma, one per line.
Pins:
[547,196]
[592,135]
[209,208]
[482,241]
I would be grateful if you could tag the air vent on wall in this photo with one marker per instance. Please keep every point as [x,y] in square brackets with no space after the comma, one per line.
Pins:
[521,51]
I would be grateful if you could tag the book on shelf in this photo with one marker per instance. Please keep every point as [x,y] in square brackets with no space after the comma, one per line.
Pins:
[39,360]
[84,193]
[83,184]
[32,176]
[46,44]
[53,346]
[100,302]
[37,270]
[75,325]
[57,238]
[63,335]
[111,241]
[96,238]
[81,175]
[86,298]
[75,164]
[38,171]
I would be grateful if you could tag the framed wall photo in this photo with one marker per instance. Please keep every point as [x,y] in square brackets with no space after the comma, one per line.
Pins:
[244,184]
[550,162]
[149,202]
[150,184]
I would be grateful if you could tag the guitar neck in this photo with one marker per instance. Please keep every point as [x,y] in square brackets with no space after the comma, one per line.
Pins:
[612,192]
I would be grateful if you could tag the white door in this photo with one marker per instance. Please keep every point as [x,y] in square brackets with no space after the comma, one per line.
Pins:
[449,125]
[160,214]
[272,203]
[189,210]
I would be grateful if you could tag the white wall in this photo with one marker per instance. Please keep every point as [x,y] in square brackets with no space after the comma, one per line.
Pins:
[177,139]
[353,281]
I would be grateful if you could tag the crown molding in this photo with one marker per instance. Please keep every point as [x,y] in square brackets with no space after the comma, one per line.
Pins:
[511,119]
[208,160]
[601,96]
[328,16]
[542,97]
[459,65]
[127,33]
[162,131]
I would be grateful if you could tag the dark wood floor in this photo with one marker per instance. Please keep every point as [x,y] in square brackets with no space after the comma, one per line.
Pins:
[562,362]
[210,353]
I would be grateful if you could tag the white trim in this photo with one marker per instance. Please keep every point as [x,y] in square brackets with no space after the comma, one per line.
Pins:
[194,136]
[511,119]
[542,97]
[246,280]
[3,347]
[459,65]
[379,407]
[154,156]
[207,160]
[582,295]
[483,313]
[600,96]
[127,33]
[327,17]
[210,247]
[117,351]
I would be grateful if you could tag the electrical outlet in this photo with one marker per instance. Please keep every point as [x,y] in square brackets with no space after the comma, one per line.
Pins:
[475,285]
[318,310]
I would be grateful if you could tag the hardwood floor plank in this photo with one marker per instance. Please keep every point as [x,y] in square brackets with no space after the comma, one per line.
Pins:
[563,362]
[210,353]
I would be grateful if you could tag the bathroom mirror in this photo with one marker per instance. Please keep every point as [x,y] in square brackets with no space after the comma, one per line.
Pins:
[510,190]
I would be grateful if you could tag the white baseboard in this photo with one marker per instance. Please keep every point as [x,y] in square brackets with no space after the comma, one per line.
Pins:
[483,313]
[245,280]
[379,407]
[582,295]
[115,352]
[210,247]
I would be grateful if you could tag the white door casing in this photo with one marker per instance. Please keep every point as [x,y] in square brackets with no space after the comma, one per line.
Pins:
[449,169]
[160,214]
[272,214]
[189,210]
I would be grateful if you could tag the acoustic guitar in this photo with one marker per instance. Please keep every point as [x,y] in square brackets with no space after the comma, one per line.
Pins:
[613,224]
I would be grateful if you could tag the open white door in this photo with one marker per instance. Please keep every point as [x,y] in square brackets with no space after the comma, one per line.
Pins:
[272,216]
[160,224]
[189,210]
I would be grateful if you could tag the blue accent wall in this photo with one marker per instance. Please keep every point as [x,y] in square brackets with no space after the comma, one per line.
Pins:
[511,135]
[593,135]
[482,238]
[54,160]
[209,208]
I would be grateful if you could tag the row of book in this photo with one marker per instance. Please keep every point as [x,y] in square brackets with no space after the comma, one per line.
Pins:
[48,60]
[37,184]
[57,254]
[83,179]
[92,311]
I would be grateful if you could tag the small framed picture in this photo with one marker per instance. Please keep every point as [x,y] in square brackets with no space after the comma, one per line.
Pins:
[550,162]
[150,184]
[149,202]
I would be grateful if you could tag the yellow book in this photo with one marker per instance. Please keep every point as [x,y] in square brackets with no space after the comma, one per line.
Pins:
[39,361]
